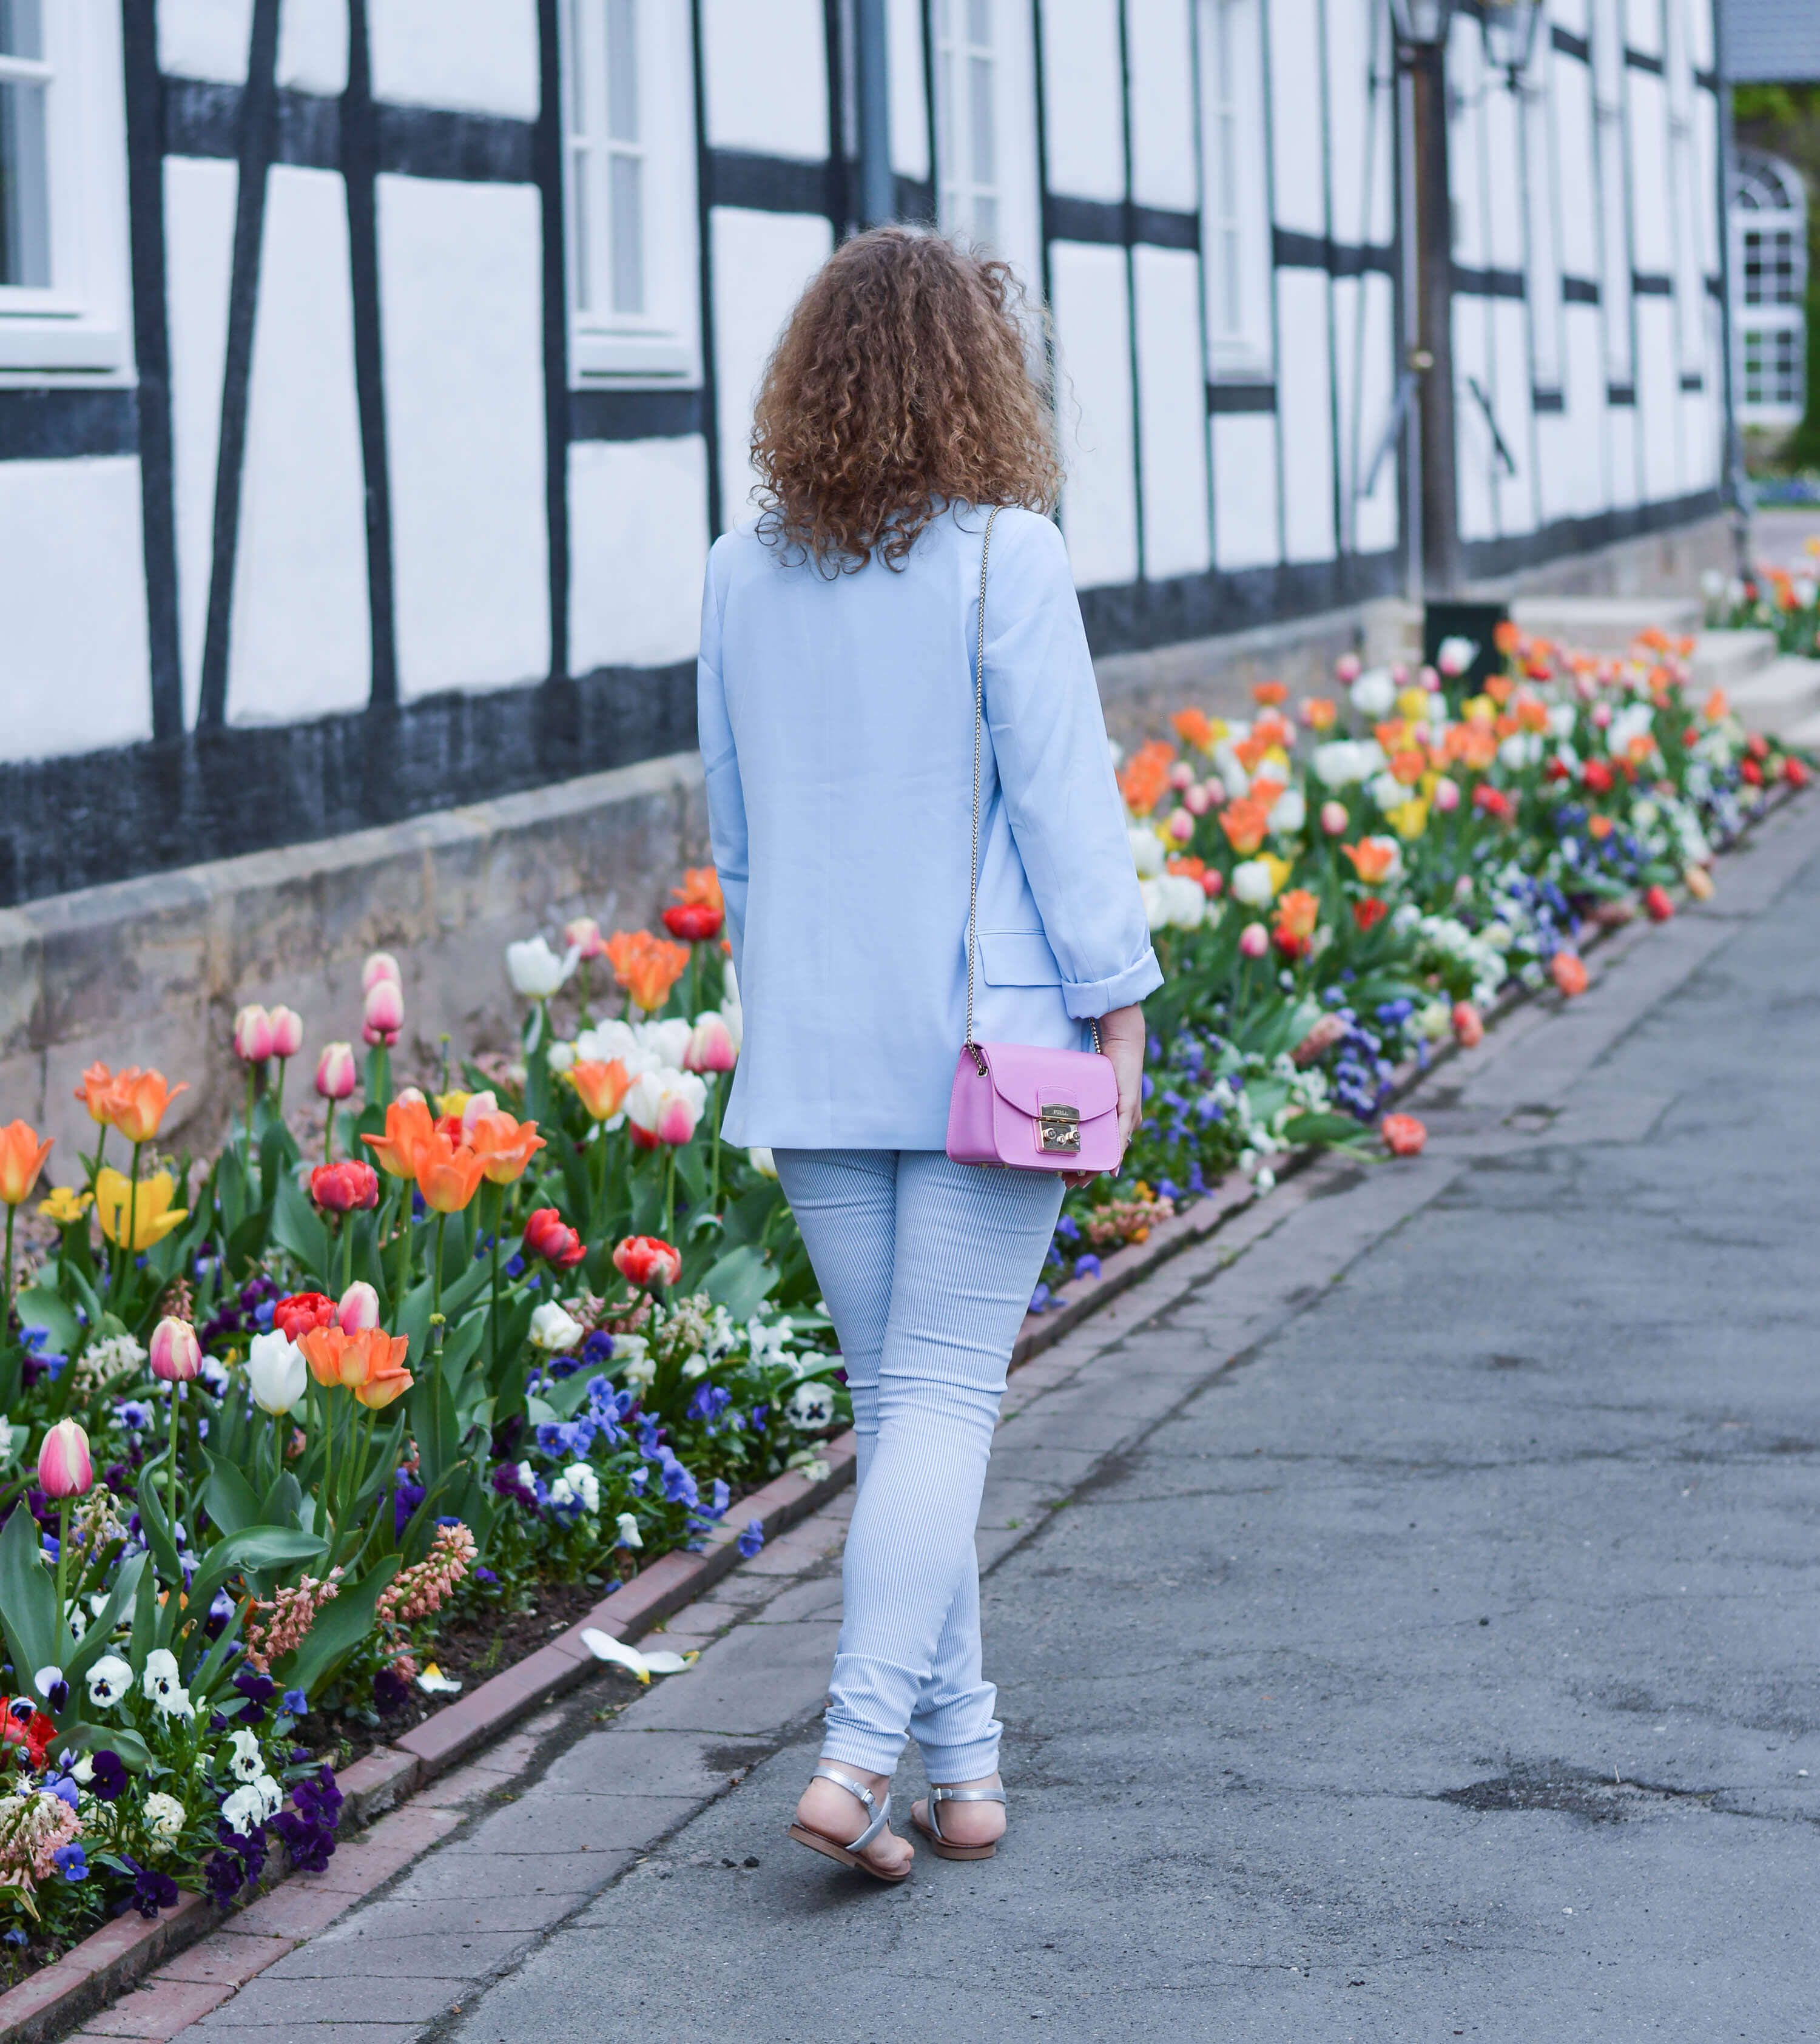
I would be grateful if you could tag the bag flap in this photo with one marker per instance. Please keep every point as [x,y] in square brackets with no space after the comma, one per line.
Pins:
[1017,957]
[1030,1078]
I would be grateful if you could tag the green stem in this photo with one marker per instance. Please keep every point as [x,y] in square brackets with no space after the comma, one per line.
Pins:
[436,1271]
[714,1169]
[498,1206]
[670,1192]
[7,1288]
[346,1225]
[171,1492]
[250,1090]
[63,1557]
[123,1249]
[328,1454]
[100,1150]
[404,1244]
[278,1090]
[328,1136]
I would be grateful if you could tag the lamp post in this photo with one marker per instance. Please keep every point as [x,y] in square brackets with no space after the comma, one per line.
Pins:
[1421,28]
[1509,29]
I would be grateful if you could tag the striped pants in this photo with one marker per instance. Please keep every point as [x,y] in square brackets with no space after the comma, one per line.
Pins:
[926,1267]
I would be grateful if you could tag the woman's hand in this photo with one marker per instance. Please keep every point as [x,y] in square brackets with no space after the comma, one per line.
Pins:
[1122,1039]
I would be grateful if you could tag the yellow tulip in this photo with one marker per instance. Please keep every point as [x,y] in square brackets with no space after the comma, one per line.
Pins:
[153,1217]
[1279,869]
[452,1103]
[64,1205]
[1409,819]
[1413,704]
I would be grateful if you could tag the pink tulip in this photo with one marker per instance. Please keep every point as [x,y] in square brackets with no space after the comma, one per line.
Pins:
[1400,674]
[334,1073]
[1446,795]
[1334,818]
[1601,716]
[287,1033]
[381,965]
[1347,668]
[1429,679]
[64,1466]
[710,1047]
[1253,940]
[384,1016]
[359,1307]
[176,1354]
[1180,826]
[664,1107]
[1215,790]
[1181,776]
[583,936]
[252,1034]
[1196,800]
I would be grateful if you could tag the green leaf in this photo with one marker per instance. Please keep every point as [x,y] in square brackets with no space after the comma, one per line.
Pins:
[340,1628]
[96,1640]
[39,1307]
[109,1739]
[282,1501]
[741,1281]
[157,1527]
[266,1547]
[433,1426]
[28,1601]
[1333,1131]
[227,1497]
[296,1226]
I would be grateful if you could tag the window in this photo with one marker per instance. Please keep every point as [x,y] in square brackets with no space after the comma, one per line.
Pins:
[1769,281]
[628,129]
[966,110]
[1236,213]
[63,186]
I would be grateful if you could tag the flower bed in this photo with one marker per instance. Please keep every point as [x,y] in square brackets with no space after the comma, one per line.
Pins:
[277,1424]
[1772,600]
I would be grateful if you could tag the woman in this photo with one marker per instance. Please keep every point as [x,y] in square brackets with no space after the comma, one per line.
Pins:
[837,723]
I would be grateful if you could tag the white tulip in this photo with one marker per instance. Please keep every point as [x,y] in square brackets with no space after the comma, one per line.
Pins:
[1146,851]
[668,1040]
[1156,904]
[1374,693]
[1454,656]
[553,1330]
[1289,811]
[731,1012]
[763,1162]
[562,1057]
[536,971]
[276,1373]
[1251,883]
[1341,761]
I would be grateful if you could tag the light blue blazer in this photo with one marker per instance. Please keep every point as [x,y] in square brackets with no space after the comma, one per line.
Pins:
[836,717]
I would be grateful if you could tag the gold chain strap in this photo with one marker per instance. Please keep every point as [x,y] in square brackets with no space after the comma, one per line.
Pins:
[973,867]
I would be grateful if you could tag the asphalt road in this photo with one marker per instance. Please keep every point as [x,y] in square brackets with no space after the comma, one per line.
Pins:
[1443,1665]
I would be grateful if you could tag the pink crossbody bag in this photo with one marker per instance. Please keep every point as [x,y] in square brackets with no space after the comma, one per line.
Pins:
[1020,1104]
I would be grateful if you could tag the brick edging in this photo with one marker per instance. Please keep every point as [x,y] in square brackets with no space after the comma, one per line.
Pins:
[114,1957]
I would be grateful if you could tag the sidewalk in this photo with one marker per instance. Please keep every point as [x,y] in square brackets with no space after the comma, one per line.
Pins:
[1405,1644]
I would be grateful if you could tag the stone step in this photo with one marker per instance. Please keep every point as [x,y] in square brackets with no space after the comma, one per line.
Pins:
[1782,699]
[1605,624]
[1723,659]
[1806,733]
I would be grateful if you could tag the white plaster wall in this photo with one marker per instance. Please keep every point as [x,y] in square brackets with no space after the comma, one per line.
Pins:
[302,644]
[1651,190]
[1303,406]
[1509,389]
[199,200]
[1361,143]
[761,261]
[1172,403]
[478,56]
[638,548]
[1582,472]
[460,308]
[1085,137]
[1476,491]
[1571,90]
[909,100]
[1554,467]
[203,38]
[1620,430]
[1164,169]
[1099,506]
[1298,198]
[313,45]
[1658,398]
[1504,238]
[1643,25]
[1020,218]
[1698,16]
[766,70]
[72,595]
[1468,171]
[1245,519]
[1364,346]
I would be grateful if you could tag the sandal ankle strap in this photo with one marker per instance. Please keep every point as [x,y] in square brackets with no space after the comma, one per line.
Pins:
[957,1796]
[880,1817]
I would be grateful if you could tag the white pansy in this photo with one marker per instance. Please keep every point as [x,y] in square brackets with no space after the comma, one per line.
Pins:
[46,1680]
[276,1372]
[763,1161]
[240,1812]
[1343,762]
[577,1487]
[10,1437]
[1252,884]
[164,1817]
[629,1534]
[811,1407]
[536,971]
[161,1685]
[1374,693]
[246,1763]
[553,1330]
[772,1344]
[639,1371]
[1147,853]
[696,1366]
[1289,811]
[83,1772]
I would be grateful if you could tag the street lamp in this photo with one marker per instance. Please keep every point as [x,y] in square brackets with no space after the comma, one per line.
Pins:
[1509,27]
[1421,29]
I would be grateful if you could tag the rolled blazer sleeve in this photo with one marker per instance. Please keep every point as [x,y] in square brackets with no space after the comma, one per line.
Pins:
[720,760]
[1055,770]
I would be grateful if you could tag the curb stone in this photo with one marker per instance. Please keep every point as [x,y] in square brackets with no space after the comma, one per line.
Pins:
[118,1956]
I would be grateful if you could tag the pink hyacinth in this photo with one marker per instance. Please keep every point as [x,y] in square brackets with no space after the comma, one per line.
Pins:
[65,1469]
[252,1034]
[176,1354]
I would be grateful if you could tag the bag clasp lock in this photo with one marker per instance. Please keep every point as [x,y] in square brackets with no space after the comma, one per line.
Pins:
[1059,1127]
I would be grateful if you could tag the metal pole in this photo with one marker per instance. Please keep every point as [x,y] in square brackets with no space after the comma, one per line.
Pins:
[1434,300]
[878,188]
[1734,487]
[1409,293]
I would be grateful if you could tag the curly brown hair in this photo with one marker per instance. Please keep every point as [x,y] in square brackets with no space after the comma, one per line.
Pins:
[900,384]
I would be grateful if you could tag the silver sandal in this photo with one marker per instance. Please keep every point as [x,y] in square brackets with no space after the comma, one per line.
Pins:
[932,1829]
[849,1854]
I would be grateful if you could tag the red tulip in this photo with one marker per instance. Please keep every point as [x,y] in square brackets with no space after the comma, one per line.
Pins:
[1657,905]
[646,1260]
[1468,1025]
[345,1187]
[1403,1135]
[294,1316]
[695,922]
[176,1354]
[548,1235]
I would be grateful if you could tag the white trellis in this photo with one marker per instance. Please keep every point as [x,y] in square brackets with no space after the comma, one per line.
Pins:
[1769,284]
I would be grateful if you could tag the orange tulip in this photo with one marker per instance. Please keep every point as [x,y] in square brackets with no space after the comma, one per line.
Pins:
[646,967]
[1374,858]
[1269,693]
[1297,911]
[369,1362]
[407,1121]
[98,1081]
[1319,713]
[1244,823]
[448,1173]
[137,1101]
[1146,775]
[601,1086]
[1195,729]
[21,1159]
[701,884]
[505,1146]
[1568,973]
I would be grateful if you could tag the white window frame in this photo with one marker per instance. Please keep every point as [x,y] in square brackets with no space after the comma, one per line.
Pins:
[1237,272]
[1765,327]
[960,57]
[77,325]
[661,342]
